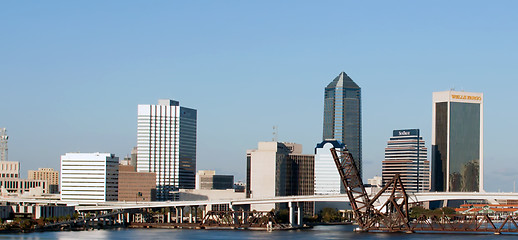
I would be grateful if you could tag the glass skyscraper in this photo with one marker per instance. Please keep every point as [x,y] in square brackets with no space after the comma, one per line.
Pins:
[457,142]
[342,115]
[166,145]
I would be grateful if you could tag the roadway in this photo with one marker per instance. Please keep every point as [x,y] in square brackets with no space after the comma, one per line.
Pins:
[413,198]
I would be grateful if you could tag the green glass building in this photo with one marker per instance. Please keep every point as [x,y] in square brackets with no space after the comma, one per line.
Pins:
[457,142]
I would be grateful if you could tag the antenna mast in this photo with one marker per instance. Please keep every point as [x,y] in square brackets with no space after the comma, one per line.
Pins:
[3,144]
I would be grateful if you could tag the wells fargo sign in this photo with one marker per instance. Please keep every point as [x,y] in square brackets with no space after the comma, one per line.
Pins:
[466,97]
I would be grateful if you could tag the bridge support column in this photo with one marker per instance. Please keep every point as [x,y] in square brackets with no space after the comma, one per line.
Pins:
[181,214]
[195,214]
[300,214]
[292,214]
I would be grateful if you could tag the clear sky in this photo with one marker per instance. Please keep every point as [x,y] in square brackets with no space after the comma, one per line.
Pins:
[73,72]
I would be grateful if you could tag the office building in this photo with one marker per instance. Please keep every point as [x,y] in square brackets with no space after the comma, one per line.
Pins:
[48,174]
[136,186]
[208,180]
[19,186]
[10,182]
[327,178]
[406,155]
[279,169]
[457,141]
[9,169]
[342,115]
[166,145]
[89,177]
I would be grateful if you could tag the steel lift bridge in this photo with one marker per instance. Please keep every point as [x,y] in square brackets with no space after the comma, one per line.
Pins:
[393,214]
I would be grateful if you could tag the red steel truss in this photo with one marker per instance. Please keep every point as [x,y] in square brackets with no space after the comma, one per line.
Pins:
[393,214]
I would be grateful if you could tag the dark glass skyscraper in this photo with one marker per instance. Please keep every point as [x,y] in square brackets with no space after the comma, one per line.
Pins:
[457,142]
[342,115]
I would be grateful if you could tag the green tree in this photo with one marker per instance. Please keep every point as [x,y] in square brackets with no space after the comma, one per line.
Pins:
[330,215]
[282,216]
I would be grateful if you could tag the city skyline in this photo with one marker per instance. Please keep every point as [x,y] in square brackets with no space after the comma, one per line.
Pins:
[72,85]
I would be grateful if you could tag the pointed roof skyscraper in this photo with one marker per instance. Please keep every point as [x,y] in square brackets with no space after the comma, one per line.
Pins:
[342,115]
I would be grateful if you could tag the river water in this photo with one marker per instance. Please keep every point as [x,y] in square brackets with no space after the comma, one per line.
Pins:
[318,232]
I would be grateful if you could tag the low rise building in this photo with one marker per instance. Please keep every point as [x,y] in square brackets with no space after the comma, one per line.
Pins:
[9,169]
[207,179]
[136,186]
[49,174]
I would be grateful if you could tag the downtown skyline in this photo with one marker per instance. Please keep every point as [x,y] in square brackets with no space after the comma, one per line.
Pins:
[73,74]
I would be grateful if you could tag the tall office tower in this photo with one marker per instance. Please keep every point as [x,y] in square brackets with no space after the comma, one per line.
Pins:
[406,155]
[89,177]
[166,145]
[327,178]
[48,174]
[342,115]
[457,142]
[3,144]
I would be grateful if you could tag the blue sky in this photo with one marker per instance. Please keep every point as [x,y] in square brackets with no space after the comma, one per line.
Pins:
[73,72]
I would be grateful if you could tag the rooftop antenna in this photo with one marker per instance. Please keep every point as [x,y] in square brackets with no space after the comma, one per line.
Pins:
[275,133]
[3,144]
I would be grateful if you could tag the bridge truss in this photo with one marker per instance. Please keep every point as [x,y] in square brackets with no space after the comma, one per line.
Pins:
[393,214]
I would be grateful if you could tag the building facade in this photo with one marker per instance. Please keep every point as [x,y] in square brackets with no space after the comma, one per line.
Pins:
[208,179]
[166,145]
[406,155]
[89,177]
[457,141]
[48,174]
[342,115]
[136,186]
[9,169]
[10,182]
[327,178]
[19,186]
[279,169]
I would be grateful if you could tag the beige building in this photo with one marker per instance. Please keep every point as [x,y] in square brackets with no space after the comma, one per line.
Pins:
[207,179]
[9,169]
[23,186]
[279,169]
[49,174]
[136,186]
[10,183]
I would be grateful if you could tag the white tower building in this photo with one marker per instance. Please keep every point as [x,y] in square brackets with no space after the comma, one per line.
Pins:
[166,145]
[89,177]
[327,178]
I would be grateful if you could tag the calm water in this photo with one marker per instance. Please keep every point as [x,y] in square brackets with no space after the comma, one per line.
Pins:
[319,232]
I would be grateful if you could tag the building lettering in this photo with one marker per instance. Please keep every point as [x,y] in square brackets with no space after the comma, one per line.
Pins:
[466,97]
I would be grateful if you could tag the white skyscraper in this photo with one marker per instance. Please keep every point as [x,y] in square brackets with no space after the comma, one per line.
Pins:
[166,145]
[89,177]
[327,178]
